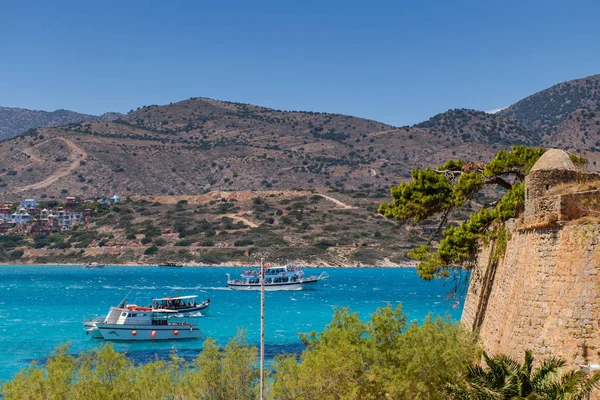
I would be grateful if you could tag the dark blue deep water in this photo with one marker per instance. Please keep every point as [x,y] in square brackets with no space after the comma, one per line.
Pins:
[43,306]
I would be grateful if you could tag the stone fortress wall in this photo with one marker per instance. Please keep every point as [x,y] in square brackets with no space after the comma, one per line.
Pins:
[544,294]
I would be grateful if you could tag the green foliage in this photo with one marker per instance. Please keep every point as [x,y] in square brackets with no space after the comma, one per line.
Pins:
[427,194]
[227,373]
[243,242]
[578,161]
[6,255]
[386,357]
[10,241]
[219,374]
[433,192]
[520,160]
[452,165]
[504,378]
[150,251]
[459,244]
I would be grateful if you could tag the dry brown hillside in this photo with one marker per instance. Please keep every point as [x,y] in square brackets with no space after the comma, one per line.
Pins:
[202,145]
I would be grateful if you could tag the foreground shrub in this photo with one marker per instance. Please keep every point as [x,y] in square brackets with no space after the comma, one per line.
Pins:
[385,358]
[505,378]
[218,374]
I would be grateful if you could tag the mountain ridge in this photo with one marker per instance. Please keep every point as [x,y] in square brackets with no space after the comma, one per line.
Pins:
[16,120]
[550,107]
[200,145]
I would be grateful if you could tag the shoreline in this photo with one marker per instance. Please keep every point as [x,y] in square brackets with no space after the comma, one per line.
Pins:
[229,265]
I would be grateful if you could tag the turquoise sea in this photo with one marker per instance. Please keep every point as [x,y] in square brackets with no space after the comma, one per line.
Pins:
[43,306]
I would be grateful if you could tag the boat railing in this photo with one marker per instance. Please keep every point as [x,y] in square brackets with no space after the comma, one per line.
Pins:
[323,275]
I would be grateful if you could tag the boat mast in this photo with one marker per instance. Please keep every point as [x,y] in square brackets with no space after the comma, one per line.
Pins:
[262,329]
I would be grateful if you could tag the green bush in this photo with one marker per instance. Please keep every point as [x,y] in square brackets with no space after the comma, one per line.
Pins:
[151,251]
[210,232]
[217,373]
[243,242]
[324,244]
[60,245]
[386,357]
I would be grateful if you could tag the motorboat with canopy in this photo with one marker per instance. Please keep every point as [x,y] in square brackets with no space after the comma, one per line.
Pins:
[181,304]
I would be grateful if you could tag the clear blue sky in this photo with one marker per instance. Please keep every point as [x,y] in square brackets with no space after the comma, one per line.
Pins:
[398,62]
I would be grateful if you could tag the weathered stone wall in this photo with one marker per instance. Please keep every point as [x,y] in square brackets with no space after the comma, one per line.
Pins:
[544,295]
[578,205]
[539,205]
[538,183]
[538,210]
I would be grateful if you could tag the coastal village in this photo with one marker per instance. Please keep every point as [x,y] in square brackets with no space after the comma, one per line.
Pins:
[46,217]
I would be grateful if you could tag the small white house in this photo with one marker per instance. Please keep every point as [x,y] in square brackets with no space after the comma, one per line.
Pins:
[28,203]
[116,199]
[21,216]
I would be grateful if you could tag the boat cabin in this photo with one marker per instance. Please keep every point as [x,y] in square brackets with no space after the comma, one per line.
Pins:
[127,316]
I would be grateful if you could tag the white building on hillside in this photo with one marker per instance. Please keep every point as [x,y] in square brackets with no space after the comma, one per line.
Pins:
[29,203]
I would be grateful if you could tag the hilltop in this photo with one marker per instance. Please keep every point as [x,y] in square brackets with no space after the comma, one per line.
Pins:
[548,109]
[14,121]
[200,145]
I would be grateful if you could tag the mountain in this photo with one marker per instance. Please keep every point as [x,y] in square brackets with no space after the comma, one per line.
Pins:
[473,126]
[201,145]
[548,109]
[580,131]
[14,121]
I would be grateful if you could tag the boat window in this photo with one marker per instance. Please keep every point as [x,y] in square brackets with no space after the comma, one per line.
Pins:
[123,314]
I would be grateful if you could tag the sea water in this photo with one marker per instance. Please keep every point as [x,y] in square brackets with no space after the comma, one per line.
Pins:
[44,306]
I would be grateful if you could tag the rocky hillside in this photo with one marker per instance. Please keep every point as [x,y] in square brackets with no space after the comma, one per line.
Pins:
[473,126]
[201,145]
[227,227]
[549,108]
[580,131]
[14,121]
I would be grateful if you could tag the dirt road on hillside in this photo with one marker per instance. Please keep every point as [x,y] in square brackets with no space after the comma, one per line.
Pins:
[336,201]
[77,154]
[246,221]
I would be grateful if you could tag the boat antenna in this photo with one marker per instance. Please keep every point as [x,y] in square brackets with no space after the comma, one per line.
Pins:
[122,304]
[262,329]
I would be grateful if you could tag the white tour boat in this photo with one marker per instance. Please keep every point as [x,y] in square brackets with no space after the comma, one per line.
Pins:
[181,304]
[126,323]
[93,265]
[288,277]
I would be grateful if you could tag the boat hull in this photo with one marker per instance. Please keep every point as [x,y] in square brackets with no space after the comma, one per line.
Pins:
[272,286]
[191,309]
[93,332]
[116,332]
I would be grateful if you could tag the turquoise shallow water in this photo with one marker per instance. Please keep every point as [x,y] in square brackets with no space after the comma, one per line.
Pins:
[43,306]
